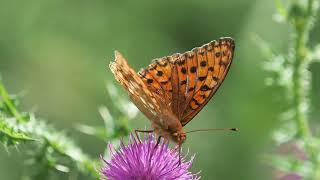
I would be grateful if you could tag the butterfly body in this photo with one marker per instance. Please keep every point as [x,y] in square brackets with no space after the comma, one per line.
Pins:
[173,89]
[169,127]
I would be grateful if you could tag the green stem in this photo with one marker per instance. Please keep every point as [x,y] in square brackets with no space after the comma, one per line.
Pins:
[299,90]
[8,102]
[300,96]
[301,31]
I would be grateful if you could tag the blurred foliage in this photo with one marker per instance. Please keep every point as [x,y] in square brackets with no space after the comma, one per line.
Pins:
[114,128]
[52,150]
[58,52]
[290,71]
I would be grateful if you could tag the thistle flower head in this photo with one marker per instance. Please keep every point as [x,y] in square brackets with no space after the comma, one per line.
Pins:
[146,161]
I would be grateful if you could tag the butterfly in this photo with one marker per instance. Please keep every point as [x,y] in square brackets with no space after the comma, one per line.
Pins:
[172,90]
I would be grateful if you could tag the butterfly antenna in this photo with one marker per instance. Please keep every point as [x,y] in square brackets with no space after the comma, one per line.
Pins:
[214,129]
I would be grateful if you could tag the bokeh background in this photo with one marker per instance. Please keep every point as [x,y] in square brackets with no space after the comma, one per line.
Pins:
[57,52]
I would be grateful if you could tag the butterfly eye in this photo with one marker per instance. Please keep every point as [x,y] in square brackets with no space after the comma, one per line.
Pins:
[183,137]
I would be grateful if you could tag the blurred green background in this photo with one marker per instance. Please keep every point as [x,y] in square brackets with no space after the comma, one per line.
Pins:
[58,52]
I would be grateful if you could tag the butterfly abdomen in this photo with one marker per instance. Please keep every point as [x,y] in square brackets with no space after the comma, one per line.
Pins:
[169,127]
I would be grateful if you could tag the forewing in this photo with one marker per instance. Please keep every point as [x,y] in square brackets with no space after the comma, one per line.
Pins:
[186,82]
[137,90]
[164,78]
[157,77]
[213,62]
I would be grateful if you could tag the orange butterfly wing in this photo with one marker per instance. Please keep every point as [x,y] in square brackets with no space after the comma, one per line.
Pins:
[137,90]
[157,77]
[187,81]
[214,60]
[181,83]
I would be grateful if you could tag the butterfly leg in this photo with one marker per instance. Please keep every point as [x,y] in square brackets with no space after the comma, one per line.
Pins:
[158,141]
[154,148]
[136,131]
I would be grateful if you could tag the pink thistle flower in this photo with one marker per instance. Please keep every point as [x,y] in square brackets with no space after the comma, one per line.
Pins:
[146,161]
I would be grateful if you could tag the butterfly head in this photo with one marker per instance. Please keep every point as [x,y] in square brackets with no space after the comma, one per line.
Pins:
[179,136]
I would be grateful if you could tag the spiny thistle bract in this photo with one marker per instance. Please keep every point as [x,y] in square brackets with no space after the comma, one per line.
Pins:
[146,161]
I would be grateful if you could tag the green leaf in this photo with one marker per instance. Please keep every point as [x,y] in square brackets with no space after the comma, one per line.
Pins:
[9,103]
[12,136]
